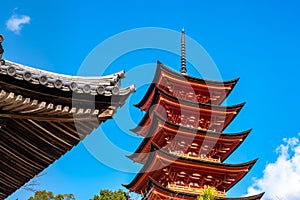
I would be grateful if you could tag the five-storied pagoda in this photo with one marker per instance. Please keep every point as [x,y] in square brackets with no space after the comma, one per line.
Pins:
[184,145]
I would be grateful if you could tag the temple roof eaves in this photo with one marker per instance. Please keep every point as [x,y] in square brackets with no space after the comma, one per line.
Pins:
[104,85]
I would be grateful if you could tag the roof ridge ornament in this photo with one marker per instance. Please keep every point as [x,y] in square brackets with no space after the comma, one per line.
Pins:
[2,62]
[183,58]
[95,85]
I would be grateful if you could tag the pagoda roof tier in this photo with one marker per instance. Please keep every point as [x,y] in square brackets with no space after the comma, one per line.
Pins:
[180,172]
[186,139]
[186,113]
[187,87]
[40,119]
[156,191]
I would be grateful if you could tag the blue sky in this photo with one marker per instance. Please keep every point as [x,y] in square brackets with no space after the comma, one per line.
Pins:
[257,41]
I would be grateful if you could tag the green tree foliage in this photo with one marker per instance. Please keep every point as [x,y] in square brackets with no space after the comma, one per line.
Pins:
[111,195]
[104,195]
[209,193]
[46,195]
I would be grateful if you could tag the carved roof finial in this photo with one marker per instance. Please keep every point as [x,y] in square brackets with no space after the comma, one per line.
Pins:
[2,62]
[183,60]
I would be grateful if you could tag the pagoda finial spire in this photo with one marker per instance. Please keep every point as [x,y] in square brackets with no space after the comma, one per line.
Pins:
[183,60]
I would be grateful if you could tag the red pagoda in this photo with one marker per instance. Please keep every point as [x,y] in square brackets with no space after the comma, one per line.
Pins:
[184,146]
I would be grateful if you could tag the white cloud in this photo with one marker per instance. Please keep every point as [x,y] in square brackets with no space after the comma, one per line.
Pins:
[15,22]
[281,179]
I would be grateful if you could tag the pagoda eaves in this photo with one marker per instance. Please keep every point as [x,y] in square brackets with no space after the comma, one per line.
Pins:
[179,138]
[173,171]
[187,113]
[156,191]
[187,87]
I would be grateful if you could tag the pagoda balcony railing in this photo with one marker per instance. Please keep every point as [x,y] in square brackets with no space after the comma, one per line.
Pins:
[191,96]
[190,155]
[181,120]
[188,95]
[191,189]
